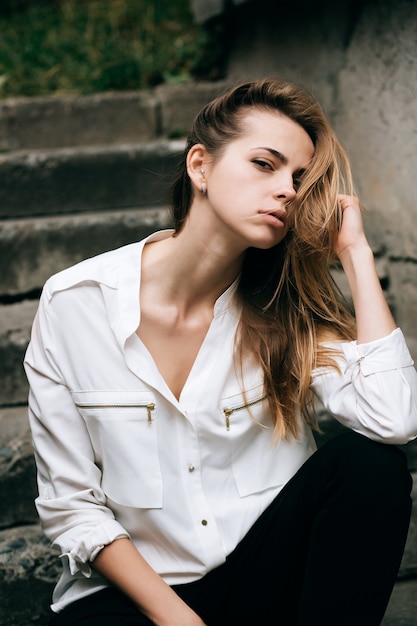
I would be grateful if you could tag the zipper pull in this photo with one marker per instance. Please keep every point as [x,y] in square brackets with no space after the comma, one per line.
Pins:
[150,407]
[227,414]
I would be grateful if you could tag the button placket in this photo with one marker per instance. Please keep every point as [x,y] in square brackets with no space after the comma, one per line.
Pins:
[203,522]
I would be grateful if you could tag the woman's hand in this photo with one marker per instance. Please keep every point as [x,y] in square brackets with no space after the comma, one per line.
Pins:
[352,233]
[373,317]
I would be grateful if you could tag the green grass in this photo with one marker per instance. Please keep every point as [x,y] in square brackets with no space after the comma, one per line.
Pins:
[87,46]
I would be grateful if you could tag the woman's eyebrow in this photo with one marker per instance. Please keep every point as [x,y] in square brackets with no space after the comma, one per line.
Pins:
[282,158]
[278,155]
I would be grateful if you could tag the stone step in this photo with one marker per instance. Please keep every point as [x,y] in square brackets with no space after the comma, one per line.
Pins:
[102,119]
[88,179]
[17,469]
[32,249]
[15,324]
[402,608]
[29,569]
[58,121]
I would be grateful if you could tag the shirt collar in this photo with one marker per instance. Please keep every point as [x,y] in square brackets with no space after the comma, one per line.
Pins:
[129,289]
[226,299]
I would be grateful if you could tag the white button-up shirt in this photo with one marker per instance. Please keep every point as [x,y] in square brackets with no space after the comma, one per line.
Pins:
[118,455]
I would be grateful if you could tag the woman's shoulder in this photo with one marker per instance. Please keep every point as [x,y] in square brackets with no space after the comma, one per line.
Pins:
[103,268]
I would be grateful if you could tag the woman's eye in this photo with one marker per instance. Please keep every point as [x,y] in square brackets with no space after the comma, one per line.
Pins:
[298,179]
[262,164]
[297,182]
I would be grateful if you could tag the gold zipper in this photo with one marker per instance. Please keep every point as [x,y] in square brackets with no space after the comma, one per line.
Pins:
[228,411]
[149,406]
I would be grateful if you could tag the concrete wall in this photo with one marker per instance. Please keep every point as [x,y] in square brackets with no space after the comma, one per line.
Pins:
[360,60]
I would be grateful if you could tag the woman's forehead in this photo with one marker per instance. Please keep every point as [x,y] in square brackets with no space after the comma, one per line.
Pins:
[274,130]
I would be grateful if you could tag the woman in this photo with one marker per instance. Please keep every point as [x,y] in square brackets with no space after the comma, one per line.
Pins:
[172,385]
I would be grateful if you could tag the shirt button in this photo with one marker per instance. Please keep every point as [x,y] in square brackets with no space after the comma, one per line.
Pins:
[191,468]
[204,522]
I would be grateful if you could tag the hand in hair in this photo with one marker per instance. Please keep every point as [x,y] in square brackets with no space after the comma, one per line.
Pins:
[373,316]
[352,233]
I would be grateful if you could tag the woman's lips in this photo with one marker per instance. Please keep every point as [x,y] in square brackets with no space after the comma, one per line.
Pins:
[276,217]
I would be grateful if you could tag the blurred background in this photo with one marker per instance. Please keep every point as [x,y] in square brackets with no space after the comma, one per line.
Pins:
[87,46]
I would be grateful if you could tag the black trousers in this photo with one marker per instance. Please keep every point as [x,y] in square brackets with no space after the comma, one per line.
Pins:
[326,552]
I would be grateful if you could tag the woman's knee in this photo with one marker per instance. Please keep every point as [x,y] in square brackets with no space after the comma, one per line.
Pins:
[370,465]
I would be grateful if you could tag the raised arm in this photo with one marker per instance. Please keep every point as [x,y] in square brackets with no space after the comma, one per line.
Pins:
[373,317]
[375,391]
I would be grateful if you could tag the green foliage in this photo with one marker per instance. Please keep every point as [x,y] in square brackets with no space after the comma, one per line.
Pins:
[86,46]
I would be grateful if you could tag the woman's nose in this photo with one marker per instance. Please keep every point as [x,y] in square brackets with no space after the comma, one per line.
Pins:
[284,189]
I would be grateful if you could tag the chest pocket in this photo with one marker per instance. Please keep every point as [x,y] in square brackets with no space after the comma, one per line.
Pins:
[254,457]
[123,430]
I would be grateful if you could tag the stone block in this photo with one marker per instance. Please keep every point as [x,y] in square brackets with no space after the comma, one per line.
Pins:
[86,179]
[181,103]
[68,121]
[33,249]
[15,324]
[17,469]
[29,569]
[4,128]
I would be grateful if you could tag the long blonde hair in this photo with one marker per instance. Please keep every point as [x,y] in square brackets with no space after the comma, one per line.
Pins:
[289,300]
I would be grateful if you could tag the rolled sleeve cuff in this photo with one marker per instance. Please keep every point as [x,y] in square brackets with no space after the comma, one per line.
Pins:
[381,355]
[80,556]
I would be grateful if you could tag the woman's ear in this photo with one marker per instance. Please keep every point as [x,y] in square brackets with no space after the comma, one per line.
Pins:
[197,159]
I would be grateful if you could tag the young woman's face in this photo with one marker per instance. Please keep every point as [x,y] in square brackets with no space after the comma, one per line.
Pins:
[256,176]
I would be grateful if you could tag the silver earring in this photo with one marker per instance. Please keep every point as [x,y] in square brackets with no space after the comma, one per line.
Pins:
[203,183]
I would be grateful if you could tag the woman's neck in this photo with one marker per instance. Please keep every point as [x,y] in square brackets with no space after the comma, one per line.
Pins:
[189,269]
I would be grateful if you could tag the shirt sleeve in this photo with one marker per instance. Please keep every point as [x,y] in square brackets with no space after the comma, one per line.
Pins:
[375,392]
[71,504]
